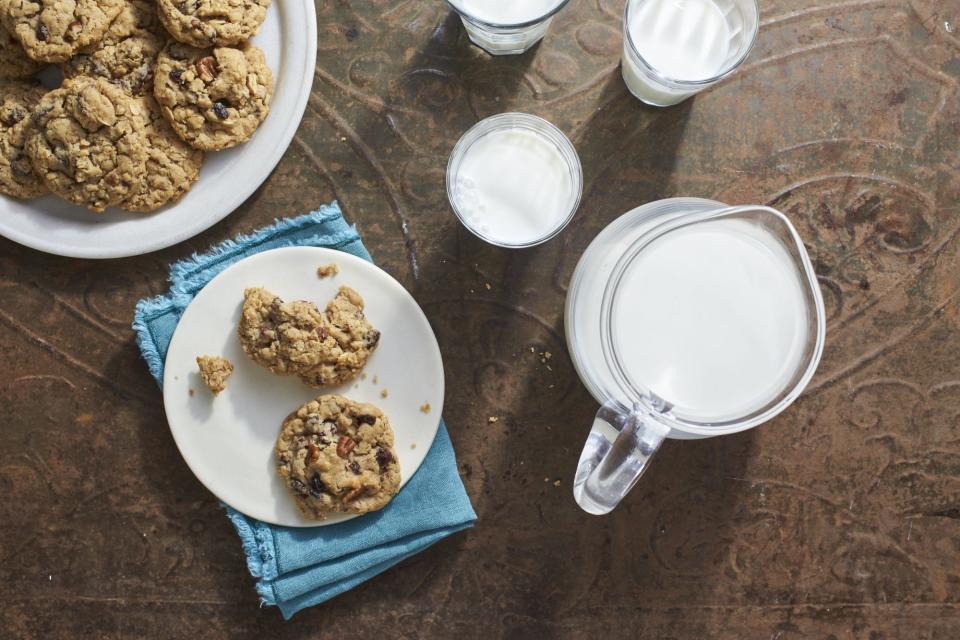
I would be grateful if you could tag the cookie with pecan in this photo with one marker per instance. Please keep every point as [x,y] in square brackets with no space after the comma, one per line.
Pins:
[127,53]
[212,23]
[335,455]
[17,100]
[172,166]
[53,30]
[322,348]
[87,142]
[213,98]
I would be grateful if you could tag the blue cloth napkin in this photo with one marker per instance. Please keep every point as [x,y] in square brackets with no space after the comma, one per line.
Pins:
[298,568]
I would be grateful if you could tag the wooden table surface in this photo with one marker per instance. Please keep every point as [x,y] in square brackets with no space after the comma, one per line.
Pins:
[839,519]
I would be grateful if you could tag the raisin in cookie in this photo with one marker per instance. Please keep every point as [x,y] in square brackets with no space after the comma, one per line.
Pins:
[296,338]
[214,372]
[213,98]
[17,100]
[128,52]
[172,166]
[212,23]
[53,30]
[14,62]
[87,142]
[336,456]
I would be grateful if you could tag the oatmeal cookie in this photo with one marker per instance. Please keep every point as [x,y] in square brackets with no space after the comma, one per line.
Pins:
[14,62]
[17,100]
[213,98]
[336,455]
[295,338]
[172,166]
[128,52]
[53,30]
[214,372]
[212,23]
[87,142]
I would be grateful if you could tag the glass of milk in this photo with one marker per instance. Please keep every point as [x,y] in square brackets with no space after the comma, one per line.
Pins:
[504,27]
[514,180]
[686,318]
[673,49]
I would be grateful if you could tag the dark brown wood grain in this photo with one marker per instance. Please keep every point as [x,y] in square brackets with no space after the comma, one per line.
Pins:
[840,519]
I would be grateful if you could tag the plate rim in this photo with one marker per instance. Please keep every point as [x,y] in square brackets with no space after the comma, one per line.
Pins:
[422,317]
[234,197]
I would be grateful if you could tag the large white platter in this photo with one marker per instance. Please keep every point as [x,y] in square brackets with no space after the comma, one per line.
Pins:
[288,37]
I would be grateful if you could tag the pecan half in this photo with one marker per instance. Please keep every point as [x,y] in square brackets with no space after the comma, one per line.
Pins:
[313,452]
[345,446]
[207,68]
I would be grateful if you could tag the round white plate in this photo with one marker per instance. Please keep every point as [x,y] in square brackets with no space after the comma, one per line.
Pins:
[288,37]
[228,440]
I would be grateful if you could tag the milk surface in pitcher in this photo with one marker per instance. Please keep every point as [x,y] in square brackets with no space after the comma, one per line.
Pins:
[712,318]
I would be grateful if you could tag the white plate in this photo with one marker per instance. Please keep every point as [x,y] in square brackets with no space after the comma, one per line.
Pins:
[288,37]
[228,441]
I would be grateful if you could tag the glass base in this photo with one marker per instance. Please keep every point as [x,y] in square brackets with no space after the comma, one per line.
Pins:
[505,42]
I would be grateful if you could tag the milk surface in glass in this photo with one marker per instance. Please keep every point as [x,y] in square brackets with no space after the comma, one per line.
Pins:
[712,318]
[685,40]
[507,12]
[513,187]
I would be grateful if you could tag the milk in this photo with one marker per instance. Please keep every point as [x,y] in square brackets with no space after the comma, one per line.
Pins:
[682,40]
[716,318]
[712,318]
[507,12]
[514,187]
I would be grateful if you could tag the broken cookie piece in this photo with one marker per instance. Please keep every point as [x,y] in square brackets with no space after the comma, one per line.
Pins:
[296,338]
[214,370]
[328,270]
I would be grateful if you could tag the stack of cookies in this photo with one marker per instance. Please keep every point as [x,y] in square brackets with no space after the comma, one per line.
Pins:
[149,87]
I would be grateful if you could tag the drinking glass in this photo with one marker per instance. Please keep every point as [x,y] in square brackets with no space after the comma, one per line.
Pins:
[505,39]
[633,421]
[655,86]
[537,126]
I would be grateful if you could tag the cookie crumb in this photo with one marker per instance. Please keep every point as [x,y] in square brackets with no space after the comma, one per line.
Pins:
[556,483]
[413,445]
[384,393]
[487,285]
[214,370]
[376,379]
[191,392]
[327,270]
[532,350]
[546,479]
[363,376]
[492,419]
[425,407]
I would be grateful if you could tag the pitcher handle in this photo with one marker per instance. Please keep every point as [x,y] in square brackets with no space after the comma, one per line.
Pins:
[616,454]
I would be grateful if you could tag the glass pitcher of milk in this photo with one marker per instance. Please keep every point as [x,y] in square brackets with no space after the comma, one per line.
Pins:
[686,318]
